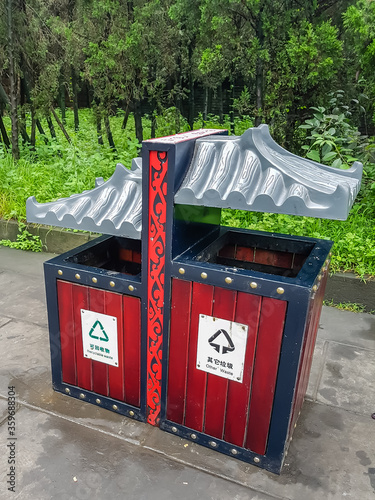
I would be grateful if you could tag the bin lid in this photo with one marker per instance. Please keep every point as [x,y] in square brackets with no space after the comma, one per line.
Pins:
[113,207]
[252,172]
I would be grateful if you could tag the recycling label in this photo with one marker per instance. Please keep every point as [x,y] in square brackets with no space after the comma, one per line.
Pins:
[99,336]
[221,347]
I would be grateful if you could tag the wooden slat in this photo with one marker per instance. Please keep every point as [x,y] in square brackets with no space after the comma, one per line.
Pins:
[126,254]
[202,298]
[227,251]
[132,348]
[137,257]
[67,332]
[244,253]
[99,370]
[265,372]
[113,307]
[248,313]
[84,365]
[216,394]
[178,349]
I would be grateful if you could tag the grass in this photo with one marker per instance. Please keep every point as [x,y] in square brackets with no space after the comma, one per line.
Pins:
[348,306]
[58,169]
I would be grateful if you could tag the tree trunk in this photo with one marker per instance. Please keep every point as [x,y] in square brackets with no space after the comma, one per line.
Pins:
[109,132]
[98,119]
[51,128]
[62,98]
[259,80]
[33,126]
[41,131]
[4,133]
[63,130]
[138,121]
[191,113]
[75,98]
[13,82]
[221,107]
[205,106]
[231,112]
[126,117]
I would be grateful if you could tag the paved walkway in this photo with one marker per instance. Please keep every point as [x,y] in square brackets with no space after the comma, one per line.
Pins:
[67,449]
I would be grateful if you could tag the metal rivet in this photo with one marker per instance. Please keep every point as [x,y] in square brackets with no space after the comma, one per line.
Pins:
[67,390]
[94,280]
[330,254]
[204,275]
[131,413]
[78,276]
[234,451]
[97,400]
[256,460]
[112,284]
[181,270]
[253,284]
[193,436]
[82,396]
[320,277]
[213,444]
[115,407]
[314,288]
[228,280]
[174,429]
[280,290]
[131,288]
[59,272]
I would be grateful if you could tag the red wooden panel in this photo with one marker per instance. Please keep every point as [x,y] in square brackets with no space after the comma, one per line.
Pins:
[245,253]
[298,261]
[202,298]
[247,313]
[113,307]
[178,349]
[283,259]
[137,257]
[67,332]
[84,365]
[263,256]
[126,254]
[265,372]
[132,348]
[99,370]
[228,251]
[216,394]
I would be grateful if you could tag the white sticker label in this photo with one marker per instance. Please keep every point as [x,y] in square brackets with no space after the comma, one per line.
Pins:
[99,336]
[221,347]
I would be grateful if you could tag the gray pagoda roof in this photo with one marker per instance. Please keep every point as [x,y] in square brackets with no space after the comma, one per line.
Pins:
[252,172]
[112,207]
[249,172]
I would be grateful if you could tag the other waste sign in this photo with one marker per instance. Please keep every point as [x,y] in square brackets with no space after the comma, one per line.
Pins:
[221,347]
[99,336]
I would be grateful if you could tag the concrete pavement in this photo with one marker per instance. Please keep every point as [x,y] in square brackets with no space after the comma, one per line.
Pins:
[67,449]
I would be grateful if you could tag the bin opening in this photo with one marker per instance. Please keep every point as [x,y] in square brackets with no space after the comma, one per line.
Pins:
[115,254]
[262,253]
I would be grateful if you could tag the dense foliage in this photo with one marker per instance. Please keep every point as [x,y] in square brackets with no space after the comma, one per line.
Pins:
[155,67]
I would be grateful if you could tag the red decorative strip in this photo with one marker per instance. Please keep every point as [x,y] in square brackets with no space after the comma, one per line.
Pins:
[157,209]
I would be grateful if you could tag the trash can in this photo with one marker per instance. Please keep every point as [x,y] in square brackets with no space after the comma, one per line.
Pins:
[203,330]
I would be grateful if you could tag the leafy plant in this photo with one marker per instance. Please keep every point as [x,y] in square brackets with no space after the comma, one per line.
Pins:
[25,240]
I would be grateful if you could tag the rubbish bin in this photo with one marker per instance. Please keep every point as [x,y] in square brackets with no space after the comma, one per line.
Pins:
[203,330]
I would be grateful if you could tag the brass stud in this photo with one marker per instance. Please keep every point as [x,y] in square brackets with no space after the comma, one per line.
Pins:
[181,270]
[59,272]
[253,284]
[228,280]
[330,254]
[320,277]
[112,284]
[131,288]
[174,429]
[78,276]
[204,275]
[82,396]
[193,436]
[256,460]
[314,288]
[115,407]
[131,413]
[234,451]
[280,290]
[97,400]
[94,280]
[67,390]
[213,444]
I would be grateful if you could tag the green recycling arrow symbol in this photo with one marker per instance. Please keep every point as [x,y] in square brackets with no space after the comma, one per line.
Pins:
[91,334]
